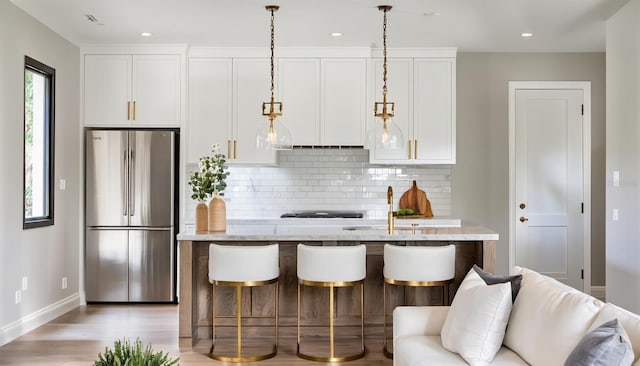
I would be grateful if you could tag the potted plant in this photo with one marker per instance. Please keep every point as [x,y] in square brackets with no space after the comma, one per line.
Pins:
[210,181]
[133,354]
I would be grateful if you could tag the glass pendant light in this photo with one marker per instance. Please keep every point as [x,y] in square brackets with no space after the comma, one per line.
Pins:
[385,133]
[273,135]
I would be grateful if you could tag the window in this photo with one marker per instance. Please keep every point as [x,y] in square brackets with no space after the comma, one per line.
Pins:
[39,102]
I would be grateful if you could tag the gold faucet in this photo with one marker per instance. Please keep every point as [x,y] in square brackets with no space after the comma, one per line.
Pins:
[390,218]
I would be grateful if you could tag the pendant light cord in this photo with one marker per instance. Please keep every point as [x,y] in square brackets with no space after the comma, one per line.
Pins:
[384,54]
[272,53]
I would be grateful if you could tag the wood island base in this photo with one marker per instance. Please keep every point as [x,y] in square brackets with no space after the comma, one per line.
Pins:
[195,306]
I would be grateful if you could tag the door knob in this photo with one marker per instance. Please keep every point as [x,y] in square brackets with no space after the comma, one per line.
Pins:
[523,219]
[522,206]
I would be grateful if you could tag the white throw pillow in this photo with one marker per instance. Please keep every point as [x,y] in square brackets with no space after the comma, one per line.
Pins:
[548,320]
[476,322]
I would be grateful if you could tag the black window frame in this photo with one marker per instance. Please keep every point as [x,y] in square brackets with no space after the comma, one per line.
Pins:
[49,74]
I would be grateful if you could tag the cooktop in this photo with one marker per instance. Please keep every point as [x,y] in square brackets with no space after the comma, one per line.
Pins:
[323,214]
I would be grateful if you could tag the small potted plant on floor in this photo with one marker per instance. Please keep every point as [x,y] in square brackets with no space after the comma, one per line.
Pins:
[133,354]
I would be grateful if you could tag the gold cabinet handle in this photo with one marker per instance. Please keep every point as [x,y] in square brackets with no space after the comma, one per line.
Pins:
[235,149]
[228,149]
[134,110]
[523,219]
[128,111]
[409,155]
[415,147]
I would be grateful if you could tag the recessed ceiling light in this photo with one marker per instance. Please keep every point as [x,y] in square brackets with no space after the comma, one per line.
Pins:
[146,34]
[432,14]
[527,35]
[336,34]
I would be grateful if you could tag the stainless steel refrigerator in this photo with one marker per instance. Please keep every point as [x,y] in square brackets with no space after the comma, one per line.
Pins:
[130,243]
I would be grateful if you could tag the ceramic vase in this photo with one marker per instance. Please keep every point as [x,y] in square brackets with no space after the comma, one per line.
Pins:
[217,215]
[202,218]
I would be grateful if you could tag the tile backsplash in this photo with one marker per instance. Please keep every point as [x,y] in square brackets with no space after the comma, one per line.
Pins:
[326,179]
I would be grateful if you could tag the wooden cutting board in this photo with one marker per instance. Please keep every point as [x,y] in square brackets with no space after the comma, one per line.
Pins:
[416,199]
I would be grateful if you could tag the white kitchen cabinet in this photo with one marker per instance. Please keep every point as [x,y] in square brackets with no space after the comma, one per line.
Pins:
[210,109]
[251,82]
[132,90]
[324,100]
[424,92]
[434,127]
[343,101]
[299,90]
[400,86]
[225,100]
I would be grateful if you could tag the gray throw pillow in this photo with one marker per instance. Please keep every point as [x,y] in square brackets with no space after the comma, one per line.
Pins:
[491,279]
[607,345]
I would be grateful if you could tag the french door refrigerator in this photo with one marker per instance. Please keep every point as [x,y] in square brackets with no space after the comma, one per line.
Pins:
[129,189]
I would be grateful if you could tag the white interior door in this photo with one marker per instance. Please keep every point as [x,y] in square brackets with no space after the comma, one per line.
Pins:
[549,184]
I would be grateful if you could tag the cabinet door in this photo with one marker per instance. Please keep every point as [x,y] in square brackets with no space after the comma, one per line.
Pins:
[156,90]
[400,91]
[251,78]
[434,118]
[210,107]
[299,86]
[107,89]
[343,101]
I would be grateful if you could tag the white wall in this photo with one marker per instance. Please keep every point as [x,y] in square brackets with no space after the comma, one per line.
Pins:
[44,255]
[480,179]
[623,155]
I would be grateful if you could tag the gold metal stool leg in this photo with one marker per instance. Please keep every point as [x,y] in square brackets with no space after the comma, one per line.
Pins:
[332,357]
[239,358]
[385,349]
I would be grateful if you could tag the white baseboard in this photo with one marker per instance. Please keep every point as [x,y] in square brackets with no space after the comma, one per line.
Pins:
[599,292]
[32,321]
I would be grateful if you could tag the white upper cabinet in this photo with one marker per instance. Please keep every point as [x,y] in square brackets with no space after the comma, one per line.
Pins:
[424,92]
[251,82]
[107,89]
[210,115]
[435,111]
[299,86]
[132,90]
[343,101]
[225,100]
[400,86]
[324,100]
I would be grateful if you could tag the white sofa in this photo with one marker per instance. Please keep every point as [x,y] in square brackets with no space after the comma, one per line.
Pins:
[547,321]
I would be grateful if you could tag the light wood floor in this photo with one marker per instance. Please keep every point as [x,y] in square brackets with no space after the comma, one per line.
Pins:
[76,338]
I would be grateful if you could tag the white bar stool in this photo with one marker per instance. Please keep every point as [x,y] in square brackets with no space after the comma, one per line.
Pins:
[243,266]
[416,266]
[332,266]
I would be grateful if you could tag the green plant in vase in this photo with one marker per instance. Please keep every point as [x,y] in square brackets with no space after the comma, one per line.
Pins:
[209,181]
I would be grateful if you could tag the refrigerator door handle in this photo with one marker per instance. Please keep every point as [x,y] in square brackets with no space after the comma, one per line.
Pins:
[125,184]
[132,190]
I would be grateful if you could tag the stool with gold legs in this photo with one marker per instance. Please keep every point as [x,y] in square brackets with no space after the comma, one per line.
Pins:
[416,266]
[239,267]
[332,267]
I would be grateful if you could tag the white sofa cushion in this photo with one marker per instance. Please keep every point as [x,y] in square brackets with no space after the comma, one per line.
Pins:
[420,350]
[476,322]
[629,321]
[547,321]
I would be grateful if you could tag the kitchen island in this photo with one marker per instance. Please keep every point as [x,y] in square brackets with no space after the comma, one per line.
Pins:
[474,245]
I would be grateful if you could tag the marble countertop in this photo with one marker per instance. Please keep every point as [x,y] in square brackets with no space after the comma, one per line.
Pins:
[339,230]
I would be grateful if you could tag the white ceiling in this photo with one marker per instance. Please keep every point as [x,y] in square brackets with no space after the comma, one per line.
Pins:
[470,25]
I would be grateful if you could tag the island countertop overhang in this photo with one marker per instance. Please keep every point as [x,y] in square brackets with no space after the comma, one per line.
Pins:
[254,230]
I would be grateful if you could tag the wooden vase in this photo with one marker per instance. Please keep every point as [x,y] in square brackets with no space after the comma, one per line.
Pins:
[217,215]
[202,218]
